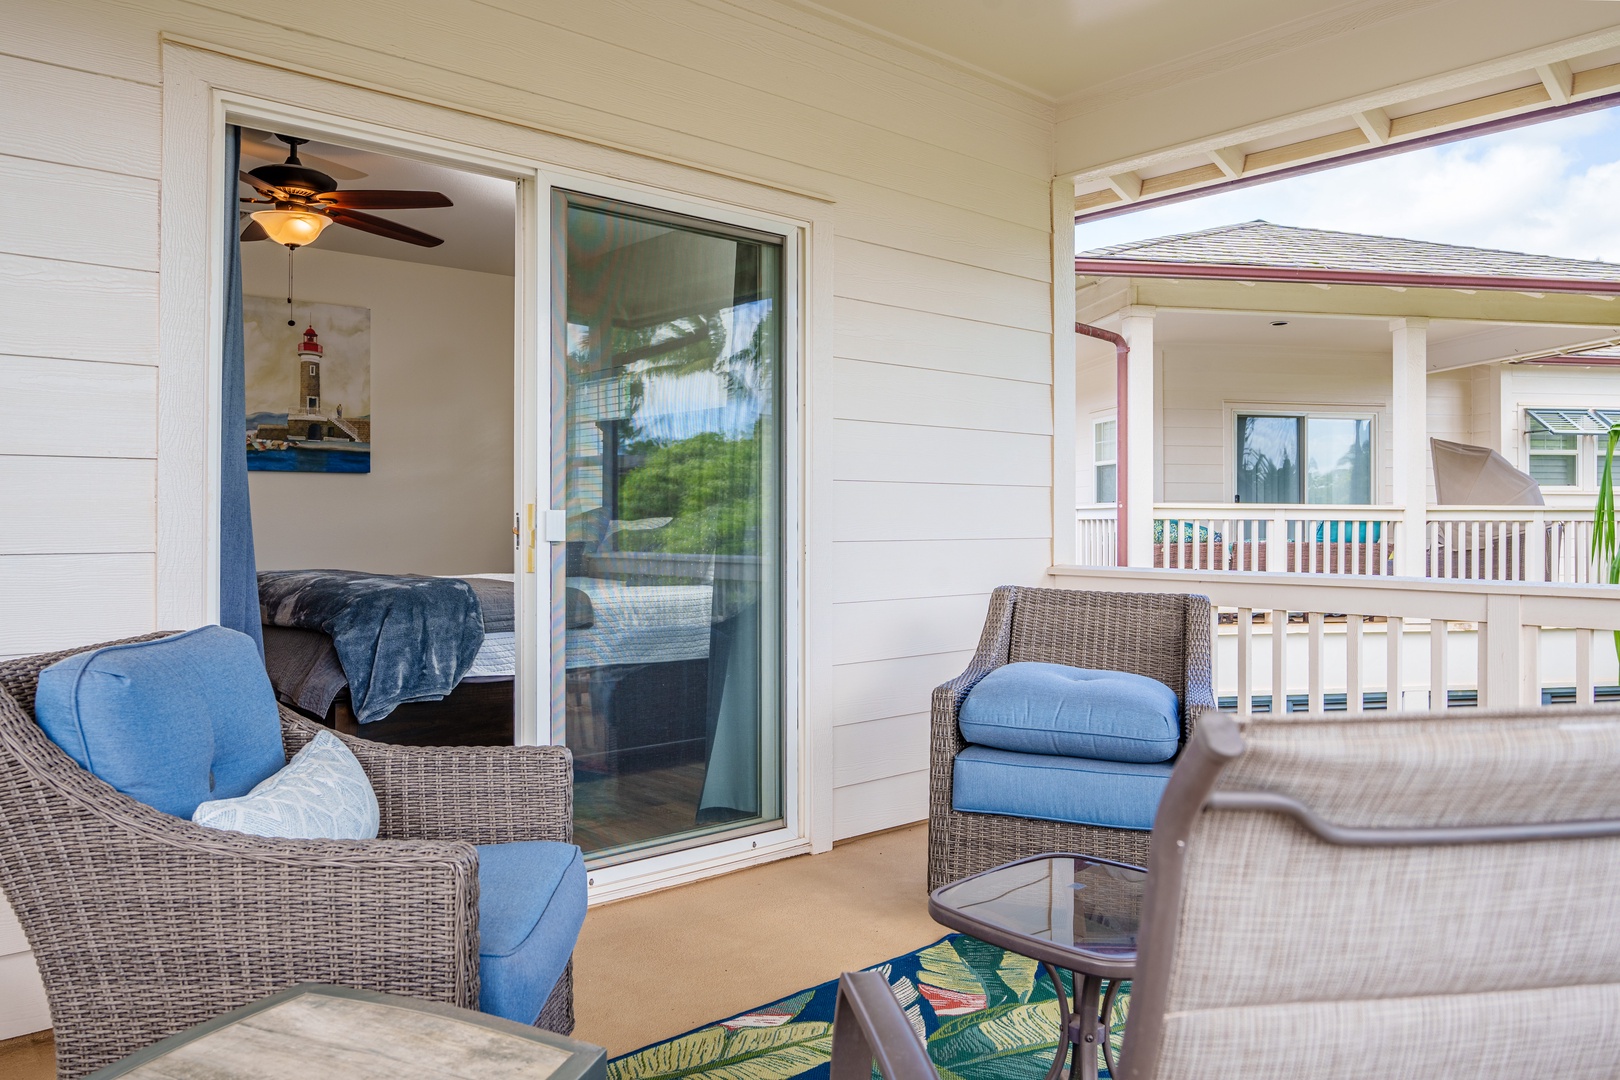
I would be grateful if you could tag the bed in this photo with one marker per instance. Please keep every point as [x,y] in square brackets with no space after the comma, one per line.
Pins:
[638,653]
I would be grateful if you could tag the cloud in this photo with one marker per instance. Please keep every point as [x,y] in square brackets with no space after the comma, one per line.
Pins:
[1551,189]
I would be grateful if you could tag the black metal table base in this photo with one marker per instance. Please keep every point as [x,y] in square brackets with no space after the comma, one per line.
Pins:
[1082,1025]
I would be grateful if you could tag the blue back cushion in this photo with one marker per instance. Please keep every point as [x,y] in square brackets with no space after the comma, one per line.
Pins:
[1036,708]
[171,722]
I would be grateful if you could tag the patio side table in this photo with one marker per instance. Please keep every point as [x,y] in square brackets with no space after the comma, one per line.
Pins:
[1067,911]
[313,1032]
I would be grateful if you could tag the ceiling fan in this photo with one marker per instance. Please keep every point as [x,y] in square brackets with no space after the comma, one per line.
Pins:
[302,201]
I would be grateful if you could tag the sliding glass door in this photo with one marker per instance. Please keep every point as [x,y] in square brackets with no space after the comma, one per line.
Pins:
[667,376]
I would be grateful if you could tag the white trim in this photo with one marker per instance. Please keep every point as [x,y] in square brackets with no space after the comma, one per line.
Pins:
[624,880]
[790,572]
[202,83]
[1065,391]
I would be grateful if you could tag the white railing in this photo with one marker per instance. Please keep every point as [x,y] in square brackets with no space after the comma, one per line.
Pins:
[1389,642]
[1096,536]
[1467,543]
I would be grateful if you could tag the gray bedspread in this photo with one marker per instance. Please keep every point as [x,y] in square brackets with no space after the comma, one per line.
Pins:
[398,638]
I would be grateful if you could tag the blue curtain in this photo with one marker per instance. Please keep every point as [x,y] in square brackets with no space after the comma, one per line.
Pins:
[238,576]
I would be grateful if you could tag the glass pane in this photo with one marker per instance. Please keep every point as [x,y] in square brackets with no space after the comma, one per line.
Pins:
[1552,440]
[1553,470]
[1268,459]
[1602,445]
[1103,439]
[1340,467]
[1107,490]
[665,595]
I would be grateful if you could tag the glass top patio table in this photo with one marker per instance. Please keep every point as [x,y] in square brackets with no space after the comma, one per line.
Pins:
[1074,911]
[1067,911]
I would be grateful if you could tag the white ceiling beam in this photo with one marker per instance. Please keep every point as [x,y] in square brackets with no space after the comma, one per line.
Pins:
[1374,123]
[1559,81]
[1229,159]
[1126,185]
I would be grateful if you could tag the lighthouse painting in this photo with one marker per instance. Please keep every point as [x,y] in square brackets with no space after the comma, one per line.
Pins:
[308,386]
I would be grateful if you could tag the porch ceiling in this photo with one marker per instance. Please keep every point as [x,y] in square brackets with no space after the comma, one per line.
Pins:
[1452,343]
[1061,48]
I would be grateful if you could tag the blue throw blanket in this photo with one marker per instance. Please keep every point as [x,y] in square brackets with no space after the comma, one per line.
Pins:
[399,639]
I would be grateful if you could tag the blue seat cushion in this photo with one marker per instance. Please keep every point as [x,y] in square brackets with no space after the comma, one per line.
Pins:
[1050,787]
[1076,712]
[171,722]
[531,904]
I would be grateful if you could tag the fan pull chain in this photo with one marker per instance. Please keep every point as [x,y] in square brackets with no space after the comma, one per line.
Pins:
[290,253]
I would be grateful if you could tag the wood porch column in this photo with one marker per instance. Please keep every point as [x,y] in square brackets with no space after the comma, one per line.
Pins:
[1137,328]
[1409,442]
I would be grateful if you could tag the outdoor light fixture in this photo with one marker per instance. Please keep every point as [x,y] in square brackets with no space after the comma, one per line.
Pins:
[294,228]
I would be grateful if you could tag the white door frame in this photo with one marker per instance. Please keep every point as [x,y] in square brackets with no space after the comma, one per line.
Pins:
[204,89]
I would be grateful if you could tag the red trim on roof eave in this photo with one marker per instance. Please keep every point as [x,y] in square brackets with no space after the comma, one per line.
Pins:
[1219,272]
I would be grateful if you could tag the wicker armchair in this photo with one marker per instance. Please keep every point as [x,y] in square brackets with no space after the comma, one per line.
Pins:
[144,924]
[1165,637]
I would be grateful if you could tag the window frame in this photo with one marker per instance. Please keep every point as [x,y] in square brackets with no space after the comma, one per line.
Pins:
[1098,463]
[1235,412]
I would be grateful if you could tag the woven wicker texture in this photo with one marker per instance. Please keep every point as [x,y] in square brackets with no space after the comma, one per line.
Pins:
[144,924]
[1165,637]
[1295,957]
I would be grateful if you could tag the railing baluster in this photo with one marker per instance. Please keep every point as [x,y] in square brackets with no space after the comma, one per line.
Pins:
[1394,676]
[1245,660]
[1583,668]
[1352,663]
[1279,662]
[1438,666]
[1313,687]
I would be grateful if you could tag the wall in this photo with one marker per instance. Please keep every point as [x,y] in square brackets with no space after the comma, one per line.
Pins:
[439,497]
[1200,384]
[1096,373]
[934,482]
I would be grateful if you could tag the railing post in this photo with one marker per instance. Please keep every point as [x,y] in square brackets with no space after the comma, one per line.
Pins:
[1535,557]
[1277,543]
[1502,673]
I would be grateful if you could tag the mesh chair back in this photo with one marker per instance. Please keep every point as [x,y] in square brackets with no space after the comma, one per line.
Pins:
[1418,941]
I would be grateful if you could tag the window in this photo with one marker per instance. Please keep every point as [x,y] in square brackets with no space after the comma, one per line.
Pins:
[311,402]
[1557,441]
[1554,459]
[1304,459]
[1105,460]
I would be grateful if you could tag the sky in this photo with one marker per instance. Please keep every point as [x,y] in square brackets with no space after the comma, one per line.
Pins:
[1549,189]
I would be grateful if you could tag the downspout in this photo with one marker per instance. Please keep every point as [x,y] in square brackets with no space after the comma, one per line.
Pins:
[1122,354]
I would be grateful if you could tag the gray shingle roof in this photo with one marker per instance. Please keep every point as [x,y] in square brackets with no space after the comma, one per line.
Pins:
[1260,243]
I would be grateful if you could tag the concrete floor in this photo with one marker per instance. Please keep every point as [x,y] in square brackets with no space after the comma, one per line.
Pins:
[653,967]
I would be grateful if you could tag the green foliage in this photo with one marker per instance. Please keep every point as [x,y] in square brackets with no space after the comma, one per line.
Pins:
[1605,550]
[708,484]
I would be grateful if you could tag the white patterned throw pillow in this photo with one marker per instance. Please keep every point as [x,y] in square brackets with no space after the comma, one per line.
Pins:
[321,794]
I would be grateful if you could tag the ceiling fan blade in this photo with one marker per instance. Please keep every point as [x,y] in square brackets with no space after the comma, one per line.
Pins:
[268,190]
[264,147]
[393,230]
[384,200]
[254,231]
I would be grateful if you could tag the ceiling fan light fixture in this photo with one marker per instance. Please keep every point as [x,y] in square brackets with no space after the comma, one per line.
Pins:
[293,228]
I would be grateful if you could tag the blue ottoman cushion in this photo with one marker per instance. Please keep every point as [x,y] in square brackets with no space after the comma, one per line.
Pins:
[1075,712]
[1115,794]
[171,722]
[531,904]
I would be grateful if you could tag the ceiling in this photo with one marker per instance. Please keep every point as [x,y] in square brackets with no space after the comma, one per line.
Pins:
[1063,48]
[479,231]
[1452,343]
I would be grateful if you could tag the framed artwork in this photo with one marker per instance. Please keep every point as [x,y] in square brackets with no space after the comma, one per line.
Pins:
[308,386]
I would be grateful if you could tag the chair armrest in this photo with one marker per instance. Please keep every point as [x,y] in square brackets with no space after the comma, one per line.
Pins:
[994,645]
[1199,693]
[868,1025]
[480,794]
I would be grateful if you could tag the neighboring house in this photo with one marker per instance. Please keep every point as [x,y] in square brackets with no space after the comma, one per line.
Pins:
[1305,369]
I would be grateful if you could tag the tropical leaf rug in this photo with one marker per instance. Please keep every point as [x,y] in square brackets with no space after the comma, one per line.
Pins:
[985,1014]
